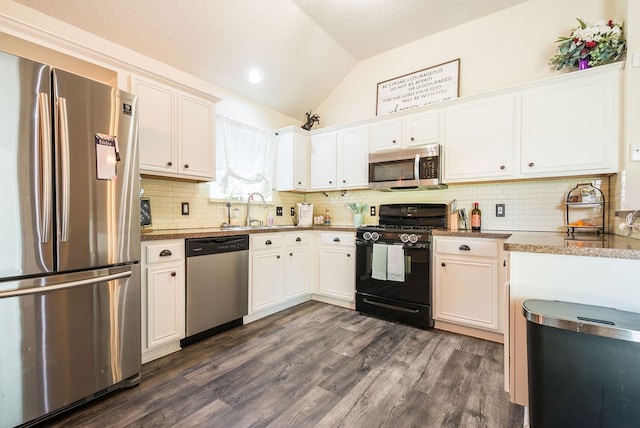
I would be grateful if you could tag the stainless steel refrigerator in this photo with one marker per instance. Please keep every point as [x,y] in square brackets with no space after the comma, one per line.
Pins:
[69,240]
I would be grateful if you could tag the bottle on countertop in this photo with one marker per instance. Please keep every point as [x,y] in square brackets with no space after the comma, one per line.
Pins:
[476,218]
[327,218]
[270,219]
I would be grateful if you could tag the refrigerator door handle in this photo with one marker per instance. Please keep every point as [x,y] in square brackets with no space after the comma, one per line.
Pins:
[46,205]
[63,137]
[65,285]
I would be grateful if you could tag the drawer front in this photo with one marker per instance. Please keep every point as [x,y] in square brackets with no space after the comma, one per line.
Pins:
[467,247]
[165,252]
[265,241]
[341,239]
[297,238]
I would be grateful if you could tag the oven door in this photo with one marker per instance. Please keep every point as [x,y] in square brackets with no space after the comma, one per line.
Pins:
[408,301]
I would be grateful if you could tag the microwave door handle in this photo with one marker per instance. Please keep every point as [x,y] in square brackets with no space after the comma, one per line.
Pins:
[416,168]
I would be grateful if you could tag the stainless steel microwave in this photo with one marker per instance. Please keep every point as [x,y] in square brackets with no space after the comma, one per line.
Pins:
[406,169]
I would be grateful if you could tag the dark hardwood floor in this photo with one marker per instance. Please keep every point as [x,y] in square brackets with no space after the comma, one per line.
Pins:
[315,365]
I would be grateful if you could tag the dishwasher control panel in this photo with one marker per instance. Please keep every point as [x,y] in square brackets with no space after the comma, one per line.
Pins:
[224,244]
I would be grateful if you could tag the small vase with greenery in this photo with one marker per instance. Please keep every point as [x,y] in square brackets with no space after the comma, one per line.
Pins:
[358,211]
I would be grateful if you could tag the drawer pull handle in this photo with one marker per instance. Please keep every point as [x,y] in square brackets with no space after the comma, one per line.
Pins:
[464,247]
[268,242]
[336,239]
[173,274]
[165,253]
[298,239]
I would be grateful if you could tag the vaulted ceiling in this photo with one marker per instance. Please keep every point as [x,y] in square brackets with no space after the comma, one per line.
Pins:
[303,47]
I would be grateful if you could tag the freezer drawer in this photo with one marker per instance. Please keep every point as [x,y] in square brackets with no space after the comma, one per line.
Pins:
[66,338]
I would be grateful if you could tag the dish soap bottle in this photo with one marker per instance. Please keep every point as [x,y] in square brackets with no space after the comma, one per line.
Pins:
[476,218]
[270,219]
[327,218]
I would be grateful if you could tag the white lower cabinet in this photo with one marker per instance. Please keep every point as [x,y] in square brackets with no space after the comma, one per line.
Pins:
[163,298]
[468,278]
[279,272]
[337,270]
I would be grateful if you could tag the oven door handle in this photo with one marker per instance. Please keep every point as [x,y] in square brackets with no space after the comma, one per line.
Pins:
[388,306]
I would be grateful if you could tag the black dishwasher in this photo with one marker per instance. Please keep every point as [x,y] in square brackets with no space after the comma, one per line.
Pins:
[217,285]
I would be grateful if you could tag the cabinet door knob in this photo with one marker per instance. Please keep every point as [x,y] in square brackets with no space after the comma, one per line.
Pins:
[299,182]
[412,139]
[344,181]
[502,167]
[330,182]
[336,239]
[291,254]
[464,247]
[349,255]
[278,256]
[165,253]
[186,165]
[298,239]
[173,274]
[267,242]
[443,264]
[393,141]
[169,163]
[531,164]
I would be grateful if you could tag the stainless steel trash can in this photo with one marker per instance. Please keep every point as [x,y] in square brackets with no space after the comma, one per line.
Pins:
[584,365]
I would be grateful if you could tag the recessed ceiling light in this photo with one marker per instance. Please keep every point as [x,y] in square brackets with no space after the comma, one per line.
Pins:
[255,75]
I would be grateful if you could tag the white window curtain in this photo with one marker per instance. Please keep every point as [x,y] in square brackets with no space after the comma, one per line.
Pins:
[244,160]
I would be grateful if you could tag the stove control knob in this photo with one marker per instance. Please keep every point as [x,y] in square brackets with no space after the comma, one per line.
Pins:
[366,236]
[404,238]
[375,236]
[413,238]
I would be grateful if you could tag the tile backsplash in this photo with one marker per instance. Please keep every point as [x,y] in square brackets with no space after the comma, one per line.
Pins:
[533,205]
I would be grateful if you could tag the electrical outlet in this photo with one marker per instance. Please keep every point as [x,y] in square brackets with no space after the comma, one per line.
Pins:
[500,210]
[634,152]
[185,208]
[293,211]
[372,211]
[278,211]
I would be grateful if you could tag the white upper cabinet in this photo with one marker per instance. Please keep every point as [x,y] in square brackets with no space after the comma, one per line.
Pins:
[339,159]
[480,138]
[176,131]
[324,168]
[157,130]
[423,129]
[196,136]
[353,157]
[292,159]
[407,131]
[572,125]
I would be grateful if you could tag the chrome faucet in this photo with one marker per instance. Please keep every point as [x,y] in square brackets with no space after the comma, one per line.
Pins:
[264,205]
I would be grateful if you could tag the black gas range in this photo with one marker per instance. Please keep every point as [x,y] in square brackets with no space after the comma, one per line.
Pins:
[393,272]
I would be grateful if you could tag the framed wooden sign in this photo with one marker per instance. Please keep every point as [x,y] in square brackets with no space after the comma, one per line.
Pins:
[418,89]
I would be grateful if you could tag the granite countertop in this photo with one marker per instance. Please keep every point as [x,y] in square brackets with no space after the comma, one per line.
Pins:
[588,245]
[157,234]
[607,245]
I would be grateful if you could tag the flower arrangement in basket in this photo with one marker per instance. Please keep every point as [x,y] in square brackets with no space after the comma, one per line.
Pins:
[590,45]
